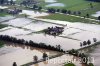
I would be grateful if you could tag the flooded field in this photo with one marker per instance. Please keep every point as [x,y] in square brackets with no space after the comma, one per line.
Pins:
[21,54]
[96,55]
[6,18]
[14,32]
[73,34]
[94,52]
[28,29]
[65,43]
[50,1]
[57,63]
[33,14]
[19,22]
[39,25]
[55,5]
[96,14]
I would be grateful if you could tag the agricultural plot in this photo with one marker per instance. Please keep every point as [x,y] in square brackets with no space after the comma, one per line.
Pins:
[30,27]
[19,22]
[38,26]
[33,14]
[71,37]
[14,32]
[10,53]
[6,18]
[74,6]
[67,3]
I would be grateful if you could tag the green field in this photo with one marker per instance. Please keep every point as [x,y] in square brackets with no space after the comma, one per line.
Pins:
[2,26]
[69,18]
[75,5]
[69,64]
[1,43]
[3,14]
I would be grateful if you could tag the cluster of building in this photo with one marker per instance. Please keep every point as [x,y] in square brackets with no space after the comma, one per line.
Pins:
[7,2]
[54,30]
[29,2]
[14,11]
[10,11]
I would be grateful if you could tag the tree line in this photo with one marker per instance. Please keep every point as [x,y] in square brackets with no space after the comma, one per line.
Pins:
[33,5]
[11,2]
[65,11]
[88,42]
[30,43]
[83,58]
[94,0]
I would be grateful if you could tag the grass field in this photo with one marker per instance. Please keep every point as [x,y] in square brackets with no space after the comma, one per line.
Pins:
[3,14]
[1,43]
[76,5]
[2,26]
[73,5]
[69,64]
[92,11]
[69,18]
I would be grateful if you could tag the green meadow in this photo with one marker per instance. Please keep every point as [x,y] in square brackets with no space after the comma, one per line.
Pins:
[75,5]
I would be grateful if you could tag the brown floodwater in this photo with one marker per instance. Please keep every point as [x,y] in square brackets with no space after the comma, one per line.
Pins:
[20,54]
[94,53]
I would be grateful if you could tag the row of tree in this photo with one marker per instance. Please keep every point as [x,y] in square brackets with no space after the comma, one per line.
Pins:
[99,18]
[76,53]
[35,59]
[30,43]
[29,2]
[95,0]
[35,7]
[64,11]
[55,31]
[50,10]
[2,1]
[82,57]
[85,43]
[11,2]
[44,58]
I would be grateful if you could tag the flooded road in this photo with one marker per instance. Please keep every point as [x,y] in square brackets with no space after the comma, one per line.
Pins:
[20,54]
